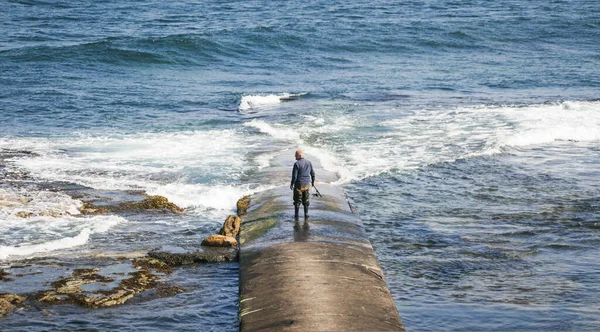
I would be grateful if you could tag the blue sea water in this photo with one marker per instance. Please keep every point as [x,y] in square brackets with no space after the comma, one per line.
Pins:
[466,132]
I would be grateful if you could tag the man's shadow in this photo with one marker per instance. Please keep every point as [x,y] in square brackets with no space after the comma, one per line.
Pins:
[301,230]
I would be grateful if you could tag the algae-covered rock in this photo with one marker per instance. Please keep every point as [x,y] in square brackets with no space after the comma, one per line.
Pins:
[88,208]
[79,277]
[8,302]
[120,296]
[65,289]
[231,227]
[149,203]
[114,282]
[127,289]
[4,275]
[208,255]
[68,290]
[148,263]
[242,205]
[153,202]
[218,240]
[48,213]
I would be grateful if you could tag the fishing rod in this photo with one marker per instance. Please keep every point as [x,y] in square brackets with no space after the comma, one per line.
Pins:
[318,194]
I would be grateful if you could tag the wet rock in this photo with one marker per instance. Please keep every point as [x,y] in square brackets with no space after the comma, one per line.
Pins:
[13,200]
[4,276]
[127,289]
[148,263]
[242,205]
[65,289]
[218,240]
[12,153]
[8,302]
[207,255]
[153,202]
[165,291]
[80,277]
[88,208]
[24,214]
[107,300]
[231,227]
[69,290]
[55,214]
[149,203]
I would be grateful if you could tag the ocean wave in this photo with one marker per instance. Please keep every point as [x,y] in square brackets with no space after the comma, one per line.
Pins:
[186,167]
[212,201]
[332,164]
[40,236]
[171,50]
[28,250]
[428,137]
[101,51]
[277,131]
[543,124]
[259,101]
[27,202]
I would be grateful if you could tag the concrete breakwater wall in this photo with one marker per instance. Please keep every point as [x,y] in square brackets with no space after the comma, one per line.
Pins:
[316,275]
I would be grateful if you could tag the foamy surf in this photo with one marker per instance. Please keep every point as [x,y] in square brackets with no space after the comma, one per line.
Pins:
[429,137]
[257,101]
[219,199]
[277,131]
[41,234]
[144,161]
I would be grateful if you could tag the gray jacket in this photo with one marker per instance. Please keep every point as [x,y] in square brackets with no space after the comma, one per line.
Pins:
[302,172]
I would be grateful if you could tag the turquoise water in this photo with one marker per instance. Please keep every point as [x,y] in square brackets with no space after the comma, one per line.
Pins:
[467,133]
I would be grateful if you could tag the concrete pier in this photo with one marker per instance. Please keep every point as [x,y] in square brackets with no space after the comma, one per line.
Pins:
[320,275]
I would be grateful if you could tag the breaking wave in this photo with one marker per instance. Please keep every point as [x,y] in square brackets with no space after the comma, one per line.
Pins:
[258,101]
[45,231]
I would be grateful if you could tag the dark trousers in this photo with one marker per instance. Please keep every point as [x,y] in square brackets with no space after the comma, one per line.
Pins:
[302,194]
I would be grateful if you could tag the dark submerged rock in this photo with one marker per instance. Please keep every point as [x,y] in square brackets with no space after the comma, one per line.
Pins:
[208,255]
[4,276]
[150,262]
[69,290]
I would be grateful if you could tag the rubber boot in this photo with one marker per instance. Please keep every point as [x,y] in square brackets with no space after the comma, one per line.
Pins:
[305,212]
[296,209]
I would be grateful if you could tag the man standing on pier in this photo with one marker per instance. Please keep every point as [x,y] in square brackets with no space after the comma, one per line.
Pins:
[303,176]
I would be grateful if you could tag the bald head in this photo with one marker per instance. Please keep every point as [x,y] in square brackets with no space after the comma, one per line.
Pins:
[299,154]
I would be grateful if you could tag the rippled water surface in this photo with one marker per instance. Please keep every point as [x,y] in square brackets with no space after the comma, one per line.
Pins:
[466,134]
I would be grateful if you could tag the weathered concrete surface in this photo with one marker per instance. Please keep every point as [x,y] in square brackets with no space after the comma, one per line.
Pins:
[319,276]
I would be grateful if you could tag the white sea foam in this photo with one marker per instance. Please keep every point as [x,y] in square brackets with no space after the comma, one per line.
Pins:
[28,250]
[426,137]
[331,163]
[44,235]
[215,202]
[568,121]
[183,166]
[141,161]
[197,170]
[36,203]
[220,197]
[263,160]
[280,132]
[257,101]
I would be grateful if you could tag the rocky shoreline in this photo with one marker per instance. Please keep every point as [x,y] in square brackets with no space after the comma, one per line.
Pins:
[111,281]
[99,280]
